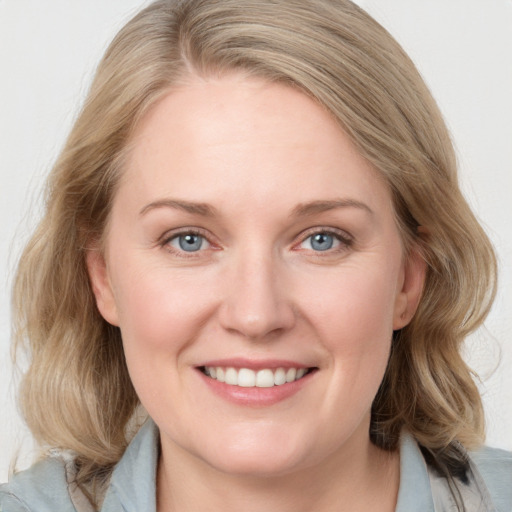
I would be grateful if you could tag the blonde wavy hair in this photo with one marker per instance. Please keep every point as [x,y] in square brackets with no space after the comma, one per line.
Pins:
[76,394]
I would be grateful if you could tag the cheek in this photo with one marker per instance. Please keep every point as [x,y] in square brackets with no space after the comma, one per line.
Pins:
[354,304]
[158,316]
[158,321]
[353,317]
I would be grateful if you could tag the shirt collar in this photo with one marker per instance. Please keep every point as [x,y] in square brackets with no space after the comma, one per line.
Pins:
[133,484]
[415,493]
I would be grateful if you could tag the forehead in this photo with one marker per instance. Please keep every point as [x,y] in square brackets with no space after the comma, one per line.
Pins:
[248,138]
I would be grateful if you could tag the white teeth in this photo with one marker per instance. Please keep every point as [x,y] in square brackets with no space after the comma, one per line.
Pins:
[231,377]
[300,373]
[247,378]
[265,379]
[291,374]
[279,377]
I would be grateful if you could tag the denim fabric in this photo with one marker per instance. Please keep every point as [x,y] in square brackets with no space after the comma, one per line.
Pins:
[45,486]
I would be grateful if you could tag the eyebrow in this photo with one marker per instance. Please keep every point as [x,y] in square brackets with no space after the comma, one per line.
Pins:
[202,209]
[315,207]
[301,210]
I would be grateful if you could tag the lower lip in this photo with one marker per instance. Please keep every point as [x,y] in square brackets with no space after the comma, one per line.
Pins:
[256,397]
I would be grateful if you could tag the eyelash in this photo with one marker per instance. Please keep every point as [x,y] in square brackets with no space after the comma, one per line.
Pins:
[346,241]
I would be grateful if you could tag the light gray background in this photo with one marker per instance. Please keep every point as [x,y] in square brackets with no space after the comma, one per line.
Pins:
[48,51]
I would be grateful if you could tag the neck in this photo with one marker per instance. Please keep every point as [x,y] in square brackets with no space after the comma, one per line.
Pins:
[358,481]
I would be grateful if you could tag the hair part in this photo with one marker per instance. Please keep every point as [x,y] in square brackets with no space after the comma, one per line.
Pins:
[77,393]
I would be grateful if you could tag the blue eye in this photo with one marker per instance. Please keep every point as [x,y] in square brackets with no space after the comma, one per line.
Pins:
[321,242]
[189,242]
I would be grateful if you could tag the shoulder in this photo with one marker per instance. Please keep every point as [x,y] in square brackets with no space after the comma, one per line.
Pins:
[49,485]
[495,468]
[42,488]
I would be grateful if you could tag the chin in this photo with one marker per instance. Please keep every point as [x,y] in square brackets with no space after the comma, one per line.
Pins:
[256,465]
[259,456]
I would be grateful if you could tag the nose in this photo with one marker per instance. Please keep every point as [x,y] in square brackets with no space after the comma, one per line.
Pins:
[255,304]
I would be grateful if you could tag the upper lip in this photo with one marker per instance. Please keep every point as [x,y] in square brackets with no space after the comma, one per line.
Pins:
[254,364]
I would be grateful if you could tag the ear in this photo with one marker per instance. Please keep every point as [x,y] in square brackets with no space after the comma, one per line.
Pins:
[408,297]
[101,286]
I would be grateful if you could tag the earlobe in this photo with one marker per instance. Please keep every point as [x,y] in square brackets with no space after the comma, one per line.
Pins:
[101,286]
[409,296]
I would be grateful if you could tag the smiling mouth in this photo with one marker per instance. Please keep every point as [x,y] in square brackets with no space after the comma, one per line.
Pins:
[247,378]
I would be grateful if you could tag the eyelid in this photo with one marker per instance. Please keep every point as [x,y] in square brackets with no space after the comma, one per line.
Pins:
[185,230]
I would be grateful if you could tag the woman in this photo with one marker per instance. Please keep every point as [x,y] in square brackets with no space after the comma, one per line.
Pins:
[255,234]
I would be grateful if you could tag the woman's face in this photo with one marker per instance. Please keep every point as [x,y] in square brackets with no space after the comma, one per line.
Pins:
[249,242]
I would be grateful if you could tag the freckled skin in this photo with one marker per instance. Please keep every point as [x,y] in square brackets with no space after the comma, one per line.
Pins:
[257,287]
